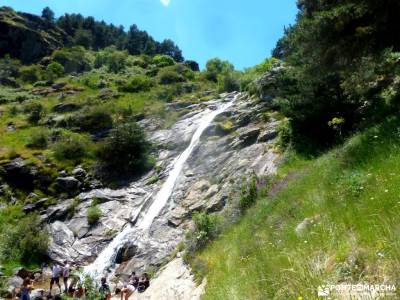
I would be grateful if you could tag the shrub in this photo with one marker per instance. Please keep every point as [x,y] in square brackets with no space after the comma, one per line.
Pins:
[228,82]
[113,59]
[23,240]
[205,228]
[35,112]
[216,67]
[31,73]
[137,84]
[163,61]
[125,149]
[174,74]
[54,71]
[38,139]
[73,59]
[93,215]
[70,148]
[248,194]
[91,120]
[192,65]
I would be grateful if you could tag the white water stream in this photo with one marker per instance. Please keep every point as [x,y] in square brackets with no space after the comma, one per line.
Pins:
[106,258]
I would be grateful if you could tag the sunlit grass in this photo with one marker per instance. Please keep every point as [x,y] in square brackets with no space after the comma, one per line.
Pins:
[353,195]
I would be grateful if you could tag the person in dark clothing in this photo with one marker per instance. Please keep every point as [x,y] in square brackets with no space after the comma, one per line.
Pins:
[130,287]
[26,289]
[105,289]
[144,283]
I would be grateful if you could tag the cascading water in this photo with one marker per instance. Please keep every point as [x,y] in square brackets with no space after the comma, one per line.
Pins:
[106,258]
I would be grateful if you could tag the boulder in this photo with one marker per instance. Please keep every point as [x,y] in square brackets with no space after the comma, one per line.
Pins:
[19,174]
[267,135]
[37,294]
[79,173]
[58,86]
[34,206]
[65,107]
[68,184]
[23,273]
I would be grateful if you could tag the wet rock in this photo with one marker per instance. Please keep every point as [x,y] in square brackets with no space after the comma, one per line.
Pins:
[65,107]
[125,253]
[58,212]
[37,294]
[246,137]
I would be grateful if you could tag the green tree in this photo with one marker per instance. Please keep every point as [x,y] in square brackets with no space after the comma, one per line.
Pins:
[48,14]
[54,70]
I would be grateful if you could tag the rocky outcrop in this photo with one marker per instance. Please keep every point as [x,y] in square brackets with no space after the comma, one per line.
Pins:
[174,281]
[208,182]
[28,37]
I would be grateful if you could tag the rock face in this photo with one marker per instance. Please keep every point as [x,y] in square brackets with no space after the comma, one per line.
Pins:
[174,281]
[208,181]
[27,37]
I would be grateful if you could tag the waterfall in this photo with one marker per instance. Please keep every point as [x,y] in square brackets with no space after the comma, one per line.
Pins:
[106,258]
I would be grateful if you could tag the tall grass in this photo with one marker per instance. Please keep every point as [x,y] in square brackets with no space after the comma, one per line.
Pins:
[352,196]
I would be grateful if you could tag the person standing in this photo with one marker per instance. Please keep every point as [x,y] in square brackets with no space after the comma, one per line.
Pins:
[55,277]
[26,289]
[65,274]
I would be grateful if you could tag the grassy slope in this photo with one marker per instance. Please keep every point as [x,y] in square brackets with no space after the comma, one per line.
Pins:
[355,191]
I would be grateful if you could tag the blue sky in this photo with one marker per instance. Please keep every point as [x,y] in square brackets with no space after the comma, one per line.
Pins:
[241,31]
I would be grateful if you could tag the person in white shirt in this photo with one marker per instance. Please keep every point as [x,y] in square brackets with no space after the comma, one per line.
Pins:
[65,273]
[55,277]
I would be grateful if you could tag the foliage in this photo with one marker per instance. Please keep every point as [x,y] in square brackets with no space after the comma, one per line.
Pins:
[22,238]
[248,193]
[125,149]
[35,112]
[70,148]
[73,59]
[54,71]
[90,120]
[93,215]
[113,59]
[136,84]
[48,14]
[174,74]
[163,61]
[30,73]
[38,139]
[349,194]
[216,67]
[341,62]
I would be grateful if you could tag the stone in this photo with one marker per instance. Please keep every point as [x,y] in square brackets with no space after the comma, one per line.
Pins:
[34,206]
[267,135]
[58,86]
[79,173]
[19,174]
[65,107]
[23,273]
[68,184]
[37,294]
[125,253]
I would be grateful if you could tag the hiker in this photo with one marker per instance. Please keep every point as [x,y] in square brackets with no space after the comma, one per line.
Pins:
[144,283]
[105,289]
[65,274]
[26,288]
[130,287]
[55,277]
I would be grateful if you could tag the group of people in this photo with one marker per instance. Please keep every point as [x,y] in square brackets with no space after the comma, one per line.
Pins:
[74,287]
[135,284]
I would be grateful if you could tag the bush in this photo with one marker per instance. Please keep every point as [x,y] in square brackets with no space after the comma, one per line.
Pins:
[192,65]
[174,74]
[137,84]
[54,71]
[205,228]
[216,67]
[70,148]
[23,240]
[93,215]
[113,59]
[38,139]
[248,194]
[125,149]
[31,73]
[163,61]
[228,82]
[35,112]
[73,59]
[91,120]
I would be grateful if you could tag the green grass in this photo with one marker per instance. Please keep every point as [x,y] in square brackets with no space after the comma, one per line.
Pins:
[354,190]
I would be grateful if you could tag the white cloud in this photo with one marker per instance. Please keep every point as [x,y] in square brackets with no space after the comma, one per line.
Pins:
[165,2]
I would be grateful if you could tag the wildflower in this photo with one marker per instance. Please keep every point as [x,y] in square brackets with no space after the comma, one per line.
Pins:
[375,136]
[386,191]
